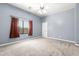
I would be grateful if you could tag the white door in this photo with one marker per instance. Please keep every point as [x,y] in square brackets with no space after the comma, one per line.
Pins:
[44,29]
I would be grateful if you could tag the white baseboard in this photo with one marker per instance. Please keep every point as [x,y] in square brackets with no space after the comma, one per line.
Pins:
[9,43]
[62,40]
[44,37]
[75,43]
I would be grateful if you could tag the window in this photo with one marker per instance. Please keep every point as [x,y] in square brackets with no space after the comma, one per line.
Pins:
[23,27]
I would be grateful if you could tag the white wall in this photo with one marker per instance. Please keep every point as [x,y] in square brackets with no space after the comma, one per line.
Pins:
[6,11]
[61,25]
[77,23]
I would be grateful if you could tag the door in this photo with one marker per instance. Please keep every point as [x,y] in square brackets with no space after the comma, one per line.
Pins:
[44,29]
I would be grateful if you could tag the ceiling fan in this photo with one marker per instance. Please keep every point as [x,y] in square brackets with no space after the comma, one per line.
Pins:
[43,10]
[42,7]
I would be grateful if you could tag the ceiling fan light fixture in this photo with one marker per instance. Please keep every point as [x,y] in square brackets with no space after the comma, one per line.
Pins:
[44,12]
[41,7]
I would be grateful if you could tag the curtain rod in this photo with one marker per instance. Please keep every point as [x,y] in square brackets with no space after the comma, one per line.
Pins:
[18,17]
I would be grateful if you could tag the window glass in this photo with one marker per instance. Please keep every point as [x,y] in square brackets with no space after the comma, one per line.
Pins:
[20,24]
[25,24]
[23,27]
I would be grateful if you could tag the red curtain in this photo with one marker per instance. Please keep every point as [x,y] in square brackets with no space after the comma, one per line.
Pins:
[30,28]
[14,31]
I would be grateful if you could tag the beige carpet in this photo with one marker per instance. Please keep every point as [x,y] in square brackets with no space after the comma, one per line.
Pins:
[40,47]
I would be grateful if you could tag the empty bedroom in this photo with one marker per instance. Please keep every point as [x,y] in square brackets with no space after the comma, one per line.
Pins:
[39,29]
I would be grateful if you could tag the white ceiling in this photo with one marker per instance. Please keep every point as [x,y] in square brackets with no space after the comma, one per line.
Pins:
[49,7]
